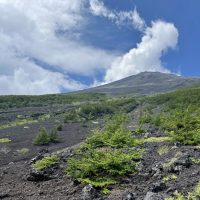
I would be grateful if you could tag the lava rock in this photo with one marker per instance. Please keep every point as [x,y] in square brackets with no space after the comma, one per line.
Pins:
[40,155]
[157,169]
[176,169]
[36,176]
[4,195]
[88,192]
[158,187]
[129,196]
[184,161]
[153,196]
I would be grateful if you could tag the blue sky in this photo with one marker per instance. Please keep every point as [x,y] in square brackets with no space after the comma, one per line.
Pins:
[62,45]
[184,14]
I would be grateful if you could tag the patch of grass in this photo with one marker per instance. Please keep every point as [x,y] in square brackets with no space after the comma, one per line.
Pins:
[46,162]
[23,151]
[169,178]
[157,139]
[18,123]
[140,130]
[5,140]
[28,120]
[194,195]
[171,161]
[195,160]
[163,150]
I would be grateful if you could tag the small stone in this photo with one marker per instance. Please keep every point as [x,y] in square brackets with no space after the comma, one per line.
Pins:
[4,195]
[129,196]
[153,196]
[88,192]
[158,187]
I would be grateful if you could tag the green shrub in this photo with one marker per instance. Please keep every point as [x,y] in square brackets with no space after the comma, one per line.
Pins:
[71,116]
[45,138]
[106,156]
[102,167]
[114,135]
[53,136]
[93,111]
[42,138]
[46,162]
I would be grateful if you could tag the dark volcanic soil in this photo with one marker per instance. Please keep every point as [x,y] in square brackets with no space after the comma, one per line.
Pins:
[160,160]
[21,137]
[151,171]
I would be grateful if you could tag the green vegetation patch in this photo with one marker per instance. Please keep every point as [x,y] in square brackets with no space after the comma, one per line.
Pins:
[23,151]
[163,150]
[114,135]
[157,139]
[46,162]
[5,140]
[171,161]
[194,195]
[168,178]
[103,167]
[106,156]
[28,120]
[18,101]
[44,138]
[178,114]
[195,160]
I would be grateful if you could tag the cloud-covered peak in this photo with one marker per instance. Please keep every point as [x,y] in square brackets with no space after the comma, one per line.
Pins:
[157,39]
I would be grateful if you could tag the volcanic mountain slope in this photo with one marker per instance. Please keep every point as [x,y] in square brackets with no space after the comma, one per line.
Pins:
[145,83]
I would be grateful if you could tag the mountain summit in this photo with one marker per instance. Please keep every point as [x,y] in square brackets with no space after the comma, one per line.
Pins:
[146,83]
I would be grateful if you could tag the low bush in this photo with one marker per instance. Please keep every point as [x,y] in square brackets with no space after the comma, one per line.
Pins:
[46,162]
[113,135]
[53,136]
[106,156]
[42,137]
[45,138]
[71,116]
[102,167]
[94,111]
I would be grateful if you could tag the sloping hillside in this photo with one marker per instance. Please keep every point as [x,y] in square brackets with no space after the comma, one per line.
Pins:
[146,83]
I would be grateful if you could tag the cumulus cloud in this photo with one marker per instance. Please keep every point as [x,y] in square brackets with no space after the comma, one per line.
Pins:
[34,32]
[98,8]
[157,39]
[41,46]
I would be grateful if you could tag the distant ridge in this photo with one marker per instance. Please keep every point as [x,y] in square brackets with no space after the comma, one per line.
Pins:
[145,83]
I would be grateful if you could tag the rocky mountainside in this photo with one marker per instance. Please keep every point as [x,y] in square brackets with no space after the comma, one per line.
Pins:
[69,148]
[146,83]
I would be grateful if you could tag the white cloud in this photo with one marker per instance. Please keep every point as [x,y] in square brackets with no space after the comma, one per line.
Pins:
[32,30]
[97,8]
[157,39]
[40,31]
